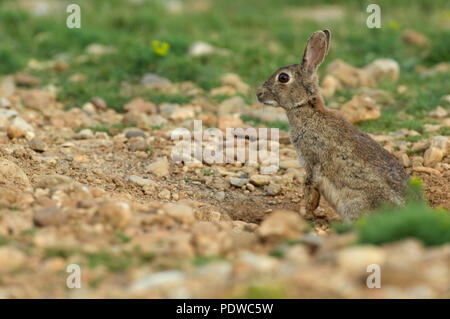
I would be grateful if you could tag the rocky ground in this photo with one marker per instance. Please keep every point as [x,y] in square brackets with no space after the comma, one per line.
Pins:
[97,188]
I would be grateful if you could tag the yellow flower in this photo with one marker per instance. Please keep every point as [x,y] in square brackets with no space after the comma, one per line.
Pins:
[160,48]
[395,25]
[415,182]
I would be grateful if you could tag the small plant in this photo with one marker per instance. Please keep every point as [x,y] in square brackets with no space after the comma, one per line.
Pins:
[122,237]
[112,262]
[341,228]
[207,172]
[415,219]
[160,48]
[265,291]
[390,223]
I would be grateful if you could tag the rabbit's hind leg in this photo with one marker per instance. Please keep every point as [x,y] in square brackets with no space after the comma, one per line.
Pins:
[312,199]
[354,209]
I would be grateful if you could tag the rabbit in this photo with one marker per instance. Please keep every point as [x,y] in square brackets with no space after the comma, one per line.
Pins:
[347,167]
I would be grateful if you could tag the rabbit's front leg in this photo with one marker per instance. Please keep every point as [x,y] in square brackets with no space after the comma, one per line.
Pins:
[312,197]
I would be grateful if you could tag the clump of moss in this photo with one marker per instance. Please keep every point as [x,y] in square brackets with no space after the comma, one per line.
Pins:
[415,219]
[392,223]
[432,227]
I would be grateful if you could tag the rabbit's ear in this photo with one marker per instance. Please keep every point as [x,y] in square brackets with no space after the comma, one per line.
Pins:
[328,35]
[316,49]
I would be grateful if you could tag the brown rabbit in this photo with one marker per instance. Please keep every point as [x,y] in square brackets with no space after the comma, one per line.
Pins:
[352,171]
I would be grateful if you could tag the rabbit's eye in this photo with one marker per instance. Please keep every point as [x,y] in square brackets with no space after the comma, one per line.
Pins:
[283,78]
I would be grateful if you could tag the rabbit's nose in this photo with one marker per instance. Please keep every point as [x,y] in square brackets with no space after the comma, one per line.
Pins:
[260,94]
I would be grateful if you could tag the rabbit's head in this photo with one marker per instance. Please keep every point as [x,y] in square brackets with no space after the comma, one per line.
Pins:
[294,85]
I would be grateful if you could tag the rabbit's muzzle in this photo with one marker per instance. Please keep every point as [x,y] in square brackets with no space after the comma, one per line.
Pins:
[265,96]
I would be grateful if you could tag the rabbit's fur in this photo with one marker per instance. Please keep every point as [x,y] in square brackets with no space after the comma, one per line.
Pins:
[352,171]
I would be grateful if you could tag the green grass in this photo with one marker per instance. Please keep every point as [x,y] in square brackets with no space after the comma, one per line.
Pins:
[413,220]
[4,240]
[131,27]
[114,263]
[199,261]
[265,291]
[107,128]
[432,227]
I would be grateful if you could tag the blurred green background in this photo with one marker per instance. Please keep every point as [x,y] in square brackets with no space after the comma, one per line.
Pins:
[261,35]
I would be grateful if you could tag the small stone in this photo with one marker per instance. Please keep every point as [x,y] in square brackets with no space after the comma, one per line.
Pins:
[273,189]
[60,66]
[232,105]
[180,212]
[402,89]
[141,181]
[139,105]
[428,170]
[4,102]
[155,121]
[432,156]
[134,133]
[133,118]
[220,196]
[281,225]
[439,112]
[360,109]
[14,132]
[11,257]
[99,103]
[10,172]
[99,49]
[37,99]
[155,81]
[139,144]
[446,99]
[182,113]
[312,240]
[26,80]
[23,125]
[233,80]
[415,38]
[404,160]
[230,122]
[287,164]
[164,194]
[329,86]
[348,75]
[202,48]
[116,214]
[49,216]
[89,108]
[160,167]
[261,264]
[174,278]
[238,182]
[37,145]
[416,161]
[442,143]
[78,78]
[260,180]
[355,260]
[84,134]
[50,181]
[382,69]
[166,109]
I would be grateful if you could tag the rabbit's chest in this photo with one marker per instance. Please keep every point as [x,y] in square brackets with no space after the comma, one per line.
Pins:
[301,159]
